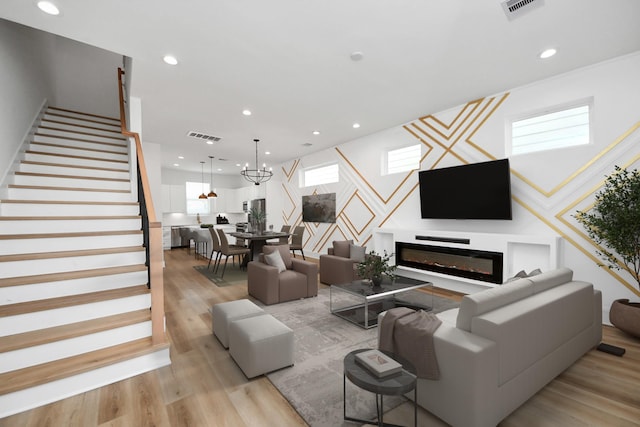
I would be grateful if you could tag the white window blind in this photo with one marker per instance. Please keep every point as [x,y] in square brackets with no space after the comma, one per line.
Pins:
[403,159]
[194,204]
[321,175]
[563,128]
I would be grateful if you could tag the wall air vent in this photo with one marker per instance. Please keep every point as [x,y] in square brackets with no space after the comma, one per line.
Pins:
[203,136]
[515,8]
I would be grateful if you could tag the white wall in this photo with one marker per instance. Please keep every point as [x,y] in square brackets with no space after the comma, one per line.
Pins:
[24,85]
[548,187]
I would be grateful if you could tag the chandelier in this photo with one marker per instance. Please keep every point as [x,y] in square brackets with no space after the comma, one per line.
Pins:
[211,192]
[256,175]
[202,196]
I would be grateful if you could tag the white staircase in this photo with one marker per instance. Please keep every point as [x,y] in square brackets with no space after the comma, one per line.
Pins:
[74,297]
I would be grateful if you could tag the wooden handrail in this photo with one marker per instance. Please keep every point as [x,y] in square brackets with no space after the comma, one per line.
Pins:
[156,281]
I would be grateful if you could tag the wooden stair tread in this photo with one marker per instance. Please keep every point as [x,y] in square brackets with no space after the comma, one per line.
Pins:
[68,254]
[72,330]
[63,165]
[71,300]
[47,372]
[53,175]
[71,275]
[64,235]
[67,202]
[66,218]
[116,131]
[70,156]
[71,147]
[118,138]
[42,187]
[81,119]
[66,110]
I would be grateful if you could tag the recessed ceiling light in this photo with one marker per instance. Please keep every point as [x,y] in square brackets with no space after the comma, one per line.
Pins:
[316,132]
[176,164]
[181,157]
[171,60]
[356,56]
[238,164]
[209,142]
[547,53]
[267,152]
[48,7]
[246,112]
[356,125]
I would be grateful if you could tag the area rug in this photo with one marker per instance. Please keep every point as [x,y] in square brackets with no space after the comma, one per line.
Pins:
[233,275]
[314,385]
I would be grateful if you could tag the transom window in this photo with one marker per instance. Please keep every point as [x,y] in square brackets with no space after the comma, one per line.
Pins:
[402,159]
[563,127]
[320,175]
[194,204]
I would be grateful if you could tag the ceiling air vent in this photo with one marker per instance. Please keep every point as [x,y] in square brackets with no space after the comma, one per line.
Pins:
[203,136]
[515,8]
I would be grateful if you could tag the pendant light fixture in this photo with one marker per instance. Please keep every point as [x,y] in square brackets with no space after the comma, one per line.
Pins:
[202,196]
[211,193]
[256,175]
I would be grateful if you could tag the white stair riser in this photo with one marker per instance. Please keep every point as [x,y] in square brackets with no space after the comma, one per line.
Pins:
[34,157]
[108,145]
[59,244]
[70,151]
[63,316]
[92,127]
[23,358]
[84,121]
[123,173]
[68,226]
[38,291]
[53,209]
[60,265]
[71,182]
[69,195]
[23,400]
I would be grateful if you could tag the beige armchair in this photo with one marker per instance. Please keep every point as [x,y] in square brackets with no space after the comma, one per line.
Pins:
[271,282]
[339,265]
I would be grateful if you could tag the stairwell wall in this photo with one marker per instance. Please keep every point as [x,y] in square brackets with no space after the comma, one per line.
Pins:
[25,85]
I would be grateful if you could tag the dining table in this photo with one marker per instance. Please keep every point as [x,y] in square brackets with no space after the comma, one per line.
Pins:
[257,241]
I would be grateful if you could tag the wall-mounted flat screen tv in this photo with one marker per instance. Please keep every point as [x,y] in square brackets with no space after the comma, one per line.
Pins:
[319,208]
[473,191]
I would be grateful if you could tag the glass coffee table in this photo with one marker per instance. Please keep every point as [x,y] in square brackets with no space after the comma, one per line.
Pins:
[360,302]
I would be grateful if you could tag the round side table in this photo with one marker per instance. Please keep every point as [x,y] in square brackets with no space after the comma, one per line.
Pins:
[393,385]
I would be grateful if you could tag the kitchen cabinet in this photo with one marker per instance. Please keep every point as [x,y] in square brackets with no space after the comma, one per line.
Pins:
[174,198]
[166,237]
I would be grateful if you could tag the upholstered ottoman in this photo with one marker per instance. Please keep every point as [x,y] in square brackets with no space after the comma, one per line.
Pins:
[226,312]
[260,344]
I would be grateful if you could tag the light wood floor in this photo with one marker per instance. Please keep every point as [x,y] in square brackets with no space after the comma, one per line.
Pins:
[204,387]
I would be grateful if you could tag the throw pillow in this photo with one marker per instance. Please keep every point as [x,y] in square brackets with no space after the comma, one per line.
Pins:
[519,275]
[342,248]
[274,259]
[356,253]
[285,253]
[534,272]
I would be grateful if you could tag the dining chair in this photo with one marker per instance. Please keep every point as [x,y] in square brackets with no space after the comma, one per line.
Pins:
[215,248]
[229,251]
[282,240]
[296,241]
[201,241]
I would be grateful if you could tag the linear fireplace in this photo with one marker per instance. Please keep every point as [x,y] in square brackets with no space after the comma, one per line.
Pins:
[469,263]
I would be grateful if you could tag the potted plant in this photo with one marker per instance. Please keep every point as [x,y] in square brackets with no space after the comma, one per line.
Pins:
[258,220]
[613,223]
[375,267]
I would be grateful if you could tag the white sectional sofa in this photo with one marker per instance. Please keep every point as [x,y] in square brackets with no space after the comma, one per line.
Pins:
[506,343]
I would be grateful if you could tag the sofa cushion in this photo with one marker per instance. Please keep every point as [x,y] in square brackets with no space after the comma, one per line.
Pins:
[490,299]
[342,248]
[285,254]
[357,253]
[274,259]
[550,279]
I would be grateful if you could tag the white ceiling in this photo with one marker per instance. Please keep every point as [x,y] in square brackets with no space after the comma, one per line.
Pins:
[288,61]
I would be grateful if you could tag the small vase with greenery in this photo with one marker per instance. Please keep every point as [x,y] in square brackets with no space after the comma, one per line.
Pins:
[375,267]
[258,220]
